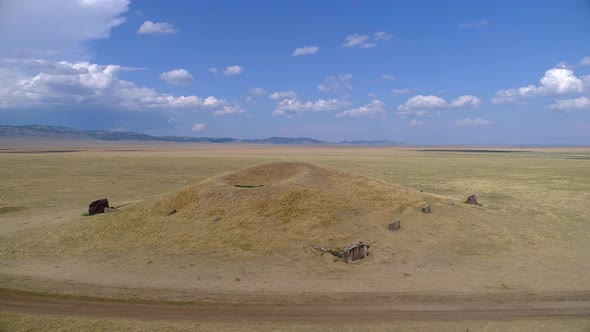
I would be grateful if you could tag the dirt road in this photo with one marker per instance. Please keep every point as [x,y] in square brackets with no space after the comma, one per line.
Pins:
[308,313]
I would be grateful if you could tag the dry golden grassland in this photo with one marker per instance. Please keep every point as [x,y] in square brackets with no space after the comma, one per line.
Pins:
[527,240]
[529,236]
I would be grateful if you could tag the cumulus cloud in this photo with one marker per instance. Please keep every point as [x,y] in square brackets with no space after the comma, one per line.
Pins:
[372,110]
[177,76]
[421,105]
[233,70]
[161,28]
[416,123]
[199,127]
[556,81]
[473,122]
[293,106]
[399,92]
[58,27]
[306,50]
[83,83]
[336,84]
[585,61]
[282,95]
[423,102]
[387,77]
[476,24]
[466,100]
[213,70]
[571,104]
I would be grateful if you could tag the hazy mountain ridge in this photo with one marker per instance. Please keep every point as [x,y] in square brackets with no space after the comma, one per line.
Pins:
[41,131]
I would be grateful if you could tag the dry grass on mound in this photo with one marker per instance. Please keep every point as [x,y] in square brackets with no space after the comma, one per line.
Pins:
[297,204]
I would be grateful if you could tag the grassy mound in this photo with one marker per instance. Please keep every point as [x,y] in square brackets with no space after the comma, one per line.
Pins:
[293,205]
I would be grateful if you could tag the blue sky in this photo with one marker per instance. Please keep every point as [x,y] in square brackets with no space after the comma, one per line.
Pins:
[425,72]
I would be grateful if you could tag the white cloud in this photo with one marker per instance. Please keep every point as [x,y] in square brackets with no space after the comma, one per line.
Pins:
[161,28]
[473,122]
[233,70]
[57,27]
[306,50]
[357,40]
[365,41]
[199,127]
[422,102]
[399,92]
[82,83]
[387,77]
[374,109]
[556,81]
[336,84]
[466,100]
[250,100]
[421,105]
[416,123]
[382,35]
[282,95]
[293,106]
[213,70]
[585,61]
[571,104]
[257,92]
[477,24]
[177,76]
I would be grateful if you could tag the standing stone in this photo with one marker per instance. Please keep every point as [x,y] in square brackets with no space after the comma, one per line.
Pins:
[394,226]
[472,200]
[98,206]
[426,209]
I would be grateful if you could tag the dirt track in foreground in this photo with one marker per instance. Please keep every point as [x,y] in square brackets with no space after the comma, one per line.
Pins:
[309,313]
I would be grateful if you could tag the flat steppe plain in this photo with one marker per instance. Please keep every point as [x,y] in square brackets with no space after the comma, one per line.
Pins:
[527,243]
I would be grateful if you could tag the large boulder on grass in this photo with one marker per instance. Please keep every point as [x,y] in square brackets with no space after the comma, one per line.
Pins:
[98,206]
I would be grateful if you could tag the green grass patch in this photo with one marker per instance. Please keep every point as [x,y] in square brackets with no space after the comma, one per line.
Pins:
[7,209]
[248,186]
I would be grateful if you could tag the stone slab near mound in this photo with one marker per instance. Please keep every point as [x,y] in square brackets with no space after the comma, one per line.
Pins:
[275,206]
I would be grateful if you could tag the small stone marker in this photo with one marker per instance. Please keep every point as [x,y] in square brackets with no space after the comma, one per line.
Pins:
[171,212]
[472,200]
[98,206]
[394,226]
[426,209]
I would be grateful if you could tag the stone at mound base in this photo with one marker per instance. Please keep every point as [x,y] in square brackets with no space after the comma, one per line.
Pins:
[98,206]
[394,226]
[426,209]
[472,200]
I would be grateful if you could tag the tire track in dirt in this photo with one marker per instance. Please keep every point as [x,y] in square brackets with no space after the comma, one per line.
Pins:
[309,313]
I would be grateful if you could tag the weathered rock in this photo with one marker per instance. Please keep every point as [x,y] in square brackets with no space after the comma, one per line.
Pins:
[98,206]
[426,209]
[394,226]
[472,200]
[171,212]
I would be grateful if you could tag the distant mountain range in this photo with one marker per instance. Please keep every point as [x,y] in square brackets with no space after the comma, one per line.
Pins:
[56,132]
